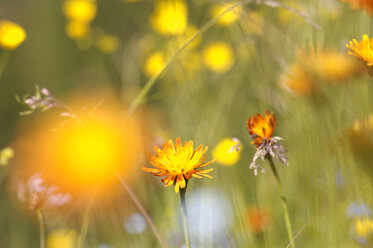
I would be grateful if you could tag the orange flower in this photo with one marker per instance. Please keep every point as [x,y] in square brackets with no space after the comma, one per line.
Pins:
[259,220]
[367,5]
[261,127]
[178,164]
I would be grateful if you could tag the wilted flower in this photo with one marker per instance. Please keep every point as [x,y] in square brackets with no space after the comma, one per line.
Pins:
[229,17]
[227,152]
[362,50]
[42,100]
[259,220]
[37,194]
[6,155]
[261,129]
[218,57]
[170,17]
[11,35]
[178,163]
[62,238]
[154,63]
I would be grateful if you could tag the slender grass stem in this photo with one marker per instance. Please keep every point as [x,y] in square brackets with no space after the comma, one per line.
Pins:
[284,202]
[41,227]
[142,210]
[149,84]
[185,217]
[4,59]
[86,220]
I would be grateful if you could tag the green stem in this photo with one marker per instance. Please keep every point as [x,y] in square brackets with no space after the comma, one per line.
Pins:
[4,59]
[86,220]
[41,227]
[142,210]
[284,202]
[185,215]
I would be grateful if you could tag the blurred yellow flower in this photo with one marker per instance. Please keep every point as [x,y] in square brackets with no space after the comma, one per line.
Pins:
[11,35]
[363,227]
[80,10]
[332,66]
[170,17]
[61,238]
[6,155]
[261,127]
[108,43]
[77,30]
[229,17]
[225,152]
[154,63]
[218,57]
[178,163]
[362,50]
[299,81]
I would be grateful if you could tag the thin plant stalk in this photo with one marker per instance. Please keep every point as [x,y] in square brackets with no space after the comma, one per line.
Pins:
[284,202]
[86,220]
[4,59]
[185,216]
[41,227]
[149,84]
[142,210]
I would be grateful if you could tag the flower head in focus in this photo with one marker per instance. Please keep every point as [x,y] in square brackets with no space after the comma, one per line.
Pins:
[178,163]
[362,50]
[61,238]
[41,101]
[11,35]
[261,129]
[227,152]
[170,17]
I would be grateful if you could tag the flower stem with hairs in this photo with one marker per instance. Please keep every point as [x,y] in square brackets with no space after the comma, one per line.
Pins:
[41,227]
[185,215]
[283,200]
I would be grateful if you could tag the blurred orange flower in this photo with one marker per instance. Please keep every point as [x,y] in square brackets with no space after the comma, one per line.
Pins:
[261,127]
[179,163]
[361,4]
[259,220]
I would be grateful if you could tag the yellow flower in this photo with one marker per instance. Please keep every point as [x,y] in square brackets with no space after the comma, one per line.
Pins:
[62,238]
[362,50]
[108,43]
[224,154]
[77,30]
[11,35]
[332,66]
[80,10]
[363,227]
[261,127]
[299,81]
[6,154]
[218,57]
[178,163]
[229,17]
[170,17]
[154,63]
